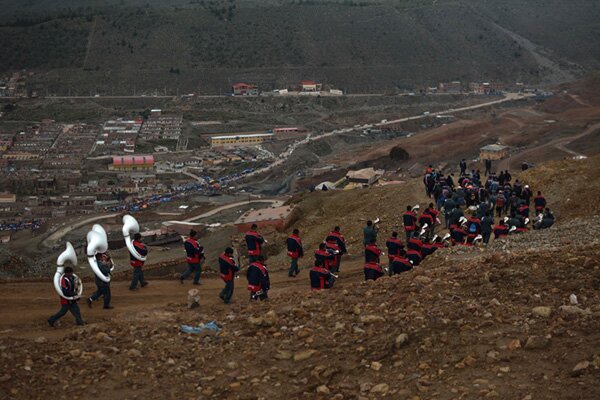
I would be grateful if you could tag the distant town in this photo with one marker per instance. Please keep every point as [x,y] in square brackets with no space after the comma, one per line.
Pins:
[143,161]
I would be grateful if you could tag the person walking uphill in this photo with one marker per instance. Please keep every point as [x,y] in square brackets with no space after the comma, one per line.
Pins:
[258,279]
[228,268]
[68,285]
[254,242]
[138,274]
[294,251]
[369,233]
[102,288]
[194,257]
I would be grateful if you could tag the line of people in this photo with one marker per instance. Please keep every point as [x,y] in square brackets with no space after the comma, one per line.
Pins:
[482,200]
[69,283]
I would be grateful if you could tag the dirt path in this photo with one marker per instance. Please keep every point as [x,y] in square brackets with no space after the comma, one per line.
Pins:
[61,232]
[514,160]
[27,306]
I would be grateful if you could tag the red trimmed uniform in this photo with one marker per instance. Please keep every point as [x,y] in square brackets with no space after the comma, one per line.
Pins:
[336,242]
[325,258]
[294,251]
[409,218]
[395,248]
[372,253]
[228,268]
[373,271]
[138,274]
[321,278]
[254,242]
[258,281]
[400,264]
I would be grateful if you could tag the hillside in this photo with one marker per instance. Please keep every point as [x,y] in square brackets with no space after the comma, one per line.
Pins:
[468,323]
[357,46]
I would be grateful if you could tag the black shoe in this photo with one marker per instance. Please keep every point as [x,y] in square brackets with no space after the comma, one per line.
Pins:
[144,284]
[197,283]
[89,302]
[181,280]
[108,307]
[133,289]
[51,323]
[82,323]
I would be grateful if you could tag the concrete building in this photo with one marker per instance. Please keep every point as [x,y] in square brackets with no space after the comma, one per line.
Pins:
[240,140]
[493,152]
[366,176]
[244,89]
[277,217]
[132,163]
[454,87]
[309,86]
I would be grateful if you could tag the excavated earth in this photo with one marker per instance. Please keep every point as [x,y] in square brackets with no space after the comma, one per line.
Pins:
[469,323]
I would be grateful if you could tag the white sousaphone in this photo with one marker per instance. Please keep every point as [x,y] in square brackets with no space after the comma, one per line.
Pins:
[67,255]
[97,242]
[131,227]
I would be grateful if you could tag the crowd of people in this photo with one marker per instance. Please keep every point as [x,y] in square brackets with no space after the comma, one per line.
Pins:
[469,209]
[33,224]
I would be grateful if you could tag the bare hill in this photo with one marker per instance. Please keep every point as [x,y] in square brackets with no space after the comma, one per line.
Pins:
[358,46]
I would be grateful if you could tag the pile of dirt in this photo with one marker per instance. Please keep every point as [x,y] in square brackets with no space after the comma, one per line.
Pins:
[574,185]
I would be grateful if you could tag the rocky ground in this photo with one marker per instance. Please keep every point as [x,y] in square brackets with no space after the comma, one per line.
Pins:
[518,320]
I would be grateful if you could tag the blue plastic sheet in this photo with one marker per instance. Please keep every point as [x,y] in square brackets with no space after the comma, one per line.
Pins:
[209,326]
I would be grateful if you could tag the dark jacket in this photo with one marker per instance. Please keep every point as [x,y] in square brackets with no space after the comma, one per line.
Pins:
[254,242]
[105,269]
[320,278]
[394,247]
[193,251]
[372,253]
[258,277]
[67,285]
[369,233]
[142,250]
[487,224]
[373,271]
[294,247]
[227,267]
[337,237]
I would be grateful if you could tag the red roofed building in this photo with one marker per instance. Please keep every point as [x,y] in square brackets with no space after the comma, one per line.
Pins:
[132,163]
[309,86]
[244,89]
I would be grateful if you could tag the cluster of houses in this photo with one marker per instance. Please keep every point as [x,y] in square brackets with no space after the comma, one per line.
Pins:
[305,87]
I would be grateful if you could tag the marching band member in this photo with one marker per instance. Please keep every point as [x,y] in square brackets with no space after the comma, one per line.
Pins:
[325,257]
[336,241]
[138,274]
[373,271]
[258,279]
[320,278]
[102,287]
[195,258]
[228,269]
[294,251]
[68,285]
[254,242]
